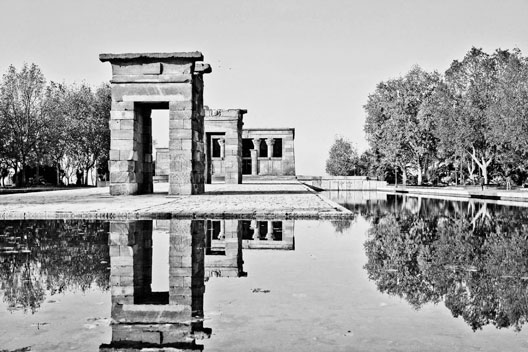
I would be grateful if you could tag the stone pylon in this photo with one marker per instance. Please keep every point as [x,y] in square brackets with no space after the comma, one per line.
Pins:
[140,83]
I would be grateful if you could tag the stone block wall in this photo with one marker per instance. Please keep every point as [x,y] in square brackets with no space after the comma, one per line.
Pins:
[350,183]
[140,83]
[230,263]
[288,155]
[162,161]
[227,125]
[180,318]
[130,149]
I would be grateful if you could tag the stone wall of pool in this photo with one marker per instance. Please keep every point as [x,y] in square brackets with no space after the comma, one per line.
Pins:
[345,183]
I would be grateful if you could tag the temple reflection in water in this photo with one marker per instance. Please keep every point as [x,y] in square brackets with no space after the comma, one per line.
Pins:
[158,273]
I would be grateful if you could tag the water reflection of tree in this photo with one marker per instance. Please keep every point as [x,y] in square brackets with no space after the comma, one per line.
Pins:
[341,226]
[474,259]
[49,257]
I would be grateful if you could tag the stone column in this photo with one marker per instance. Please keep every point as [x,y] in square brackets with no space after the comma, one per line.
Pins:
[270,170]
[269,235]
[254,162]
[221,141]
[254,156]
[270,142]
[221,235]
[254,226]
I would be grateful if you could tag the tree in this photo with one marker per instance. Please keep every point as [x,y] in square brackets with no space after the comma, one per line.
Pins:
[52,257]
[57,136]
[509,112]
[103,100]
[21,101]
[399,125]
[342,159]
[89,114]
[474,82]
[473,262]
[59,125]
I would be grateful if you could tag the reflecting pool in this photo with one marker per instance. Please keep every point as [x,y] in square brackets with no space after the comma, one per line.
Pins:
[406,274]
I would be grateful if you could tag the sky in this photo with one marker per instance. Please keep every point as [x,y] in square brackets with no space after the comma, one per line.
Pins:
[306,64]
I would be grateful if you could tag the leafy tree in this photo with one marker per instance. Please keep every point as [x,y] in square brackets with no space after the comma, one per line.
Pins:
[59,125]
[399,125]
[103,105]
[51,257]
[21,102]
[509,112]
[90,113]
[341,226]
[472,258]
[475,83]
[57,138]
[342,159]
[78,133]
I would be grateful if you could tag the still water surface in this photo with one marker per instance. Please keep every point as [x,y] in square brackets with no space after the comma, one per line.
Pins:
[407,274]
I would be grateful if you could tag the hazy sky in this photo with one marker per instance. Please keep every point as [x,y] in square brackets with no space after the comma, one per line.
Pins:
[303,64]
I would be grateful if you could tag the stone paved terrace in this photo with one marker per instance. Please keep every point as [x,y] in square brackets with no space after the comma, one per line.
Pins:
[287,199]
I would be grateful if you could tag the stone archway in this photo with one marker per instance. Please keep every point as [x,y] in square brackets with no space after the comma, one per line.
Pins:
[140,83]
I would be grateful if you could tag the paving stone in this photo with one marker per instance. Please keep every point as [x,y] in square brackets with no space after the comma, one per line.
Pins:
[271,200]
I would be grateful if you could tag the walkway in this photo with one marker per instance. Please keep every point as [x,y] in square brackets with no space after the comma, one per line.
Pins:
[516,195]
[288,199]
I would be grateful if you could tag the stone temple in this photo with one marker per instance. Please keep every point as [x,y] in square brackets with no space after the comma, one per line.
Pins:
[233,152]
[143,82]
[268,152]
[223,144]
[205,145]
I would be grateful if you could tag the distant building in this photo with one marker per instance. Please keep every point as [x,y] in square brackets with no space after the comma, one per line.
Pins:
[268,152]
[162,165]
[231,151]
[223,145]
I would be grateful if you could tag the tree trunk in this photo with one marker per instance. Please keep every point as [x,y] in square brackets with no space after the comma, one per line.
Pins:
[404,176]
[23,166]
[471,168]
[461,171]
[421,170]
[96,180]
[396,176]
[16,176]
[426,169]
[483,164]
[57,166]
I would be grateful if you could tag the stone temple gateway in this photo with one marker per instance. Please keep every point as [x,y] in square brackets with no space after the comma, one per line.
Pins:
[140,83]
[223,144]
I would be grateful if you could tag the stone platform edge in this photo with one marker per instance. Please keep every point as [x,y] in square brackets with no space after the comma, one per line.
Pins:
[328,201]
[520,196]
[279,215]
